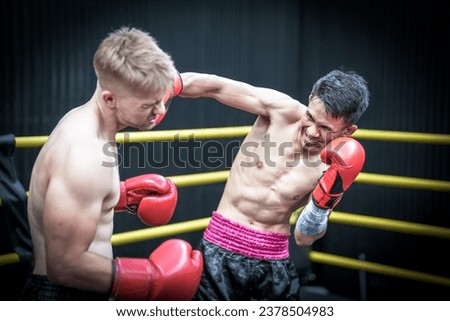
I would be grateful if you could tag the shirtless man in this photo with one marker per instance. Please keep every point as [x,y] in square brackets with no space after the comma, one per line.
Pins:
[75,187]
[286,161]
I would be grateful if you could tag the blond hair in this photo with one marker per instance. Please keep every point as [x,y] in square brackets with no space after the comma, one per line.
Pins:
[132,58]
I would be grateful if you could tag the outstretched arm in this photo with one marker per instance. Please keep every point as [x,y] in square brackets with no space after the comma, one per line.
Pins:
[257,100]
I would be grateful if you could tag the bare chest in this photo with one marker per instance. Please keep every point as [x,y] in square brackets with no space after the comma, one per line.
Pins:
[283,181]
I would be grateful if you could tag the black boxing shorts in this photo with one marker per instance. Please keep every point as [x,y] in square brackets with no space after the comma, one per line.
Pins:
[241,263]
[40,288]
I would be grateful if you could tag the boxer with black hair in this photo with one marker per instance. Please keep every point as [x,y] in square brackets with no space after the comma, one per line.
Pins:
[294,155]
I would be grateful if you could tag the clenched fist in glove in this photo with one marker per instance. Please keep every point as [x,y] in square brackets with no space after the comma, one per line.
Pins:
[172,272]
[170,93]
[346,157]
[151,196]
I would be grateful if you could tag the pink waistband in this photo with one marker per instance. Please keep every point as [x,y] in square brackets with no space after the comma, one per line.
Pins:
[241,239]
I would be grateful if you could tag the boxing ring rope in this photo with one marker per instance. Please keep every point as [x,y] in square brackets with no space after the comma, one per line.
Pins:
[354,264]
[315,256]
[363,178]
[337,217]
[240,131]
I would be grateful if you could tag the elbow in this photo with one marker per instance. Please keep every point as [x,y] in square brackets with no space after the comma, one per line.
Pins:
[54,276]
[303,240]
[56,273]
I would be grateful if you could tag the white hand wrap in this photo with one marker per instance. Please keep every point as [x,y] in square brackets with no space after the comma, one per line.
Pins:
[312,220]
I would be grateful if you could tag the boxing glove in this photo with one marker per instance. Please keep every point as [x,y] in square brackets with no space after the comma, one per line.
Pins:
[170,93]
[151,196]
[346,158]
[172,272]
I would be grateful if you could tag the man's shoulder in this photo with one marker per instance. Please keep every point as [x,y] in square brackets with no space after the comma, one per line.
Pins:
[66,148]
[289,111]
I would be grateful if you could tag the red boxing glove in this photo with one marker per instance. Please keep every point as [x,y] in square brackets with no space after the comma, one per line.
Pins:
[172,272]
[346,158]
[170,93]
[153,197]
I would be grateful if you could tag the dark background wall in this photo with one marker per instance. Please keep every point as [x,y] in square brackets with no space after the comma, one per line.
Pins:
[399,47]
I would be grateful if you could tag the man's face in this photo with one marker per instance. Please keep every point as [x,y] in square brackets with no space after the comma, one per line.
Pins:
[140,111]
[319,128]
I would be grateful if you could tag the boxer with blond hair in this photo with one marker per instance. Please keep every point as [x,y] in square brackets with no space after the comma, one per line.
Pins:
[74,190]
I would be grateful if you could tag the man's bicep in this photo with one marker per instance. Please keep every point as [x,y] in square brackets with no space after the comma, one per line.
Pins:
[278,107]
[262,101]
[70,219]
[256,100]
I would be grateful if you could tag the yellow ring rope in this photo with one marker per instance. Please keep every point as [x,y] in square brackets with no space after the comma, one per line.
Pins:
[363,178]
[336,217]
[324,258]
[345,262]
[240,131]
[403,182]
[159,231]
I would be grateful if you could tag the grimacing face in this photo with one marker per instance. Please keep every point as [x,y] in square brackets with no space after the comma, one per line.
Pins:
[318,128]
[140,111]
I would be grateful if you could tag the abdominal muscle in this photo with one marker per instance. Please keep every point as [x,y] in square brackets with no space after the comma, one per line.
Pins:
[264,198]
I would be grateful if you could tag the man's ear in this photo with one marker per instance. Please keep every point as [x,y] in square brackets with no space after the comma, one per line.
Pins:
[108,99]
[350,130]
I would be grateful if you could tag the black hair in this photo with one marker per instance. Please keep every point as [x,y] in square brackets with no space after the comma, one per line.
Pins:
[344,93]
